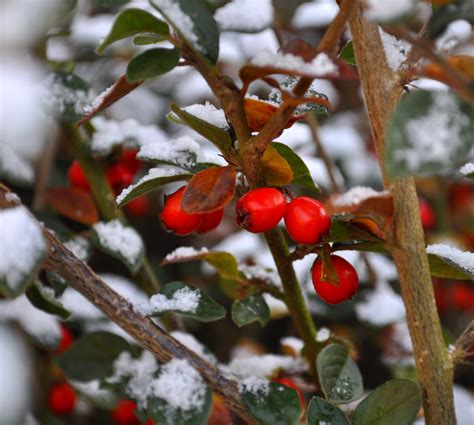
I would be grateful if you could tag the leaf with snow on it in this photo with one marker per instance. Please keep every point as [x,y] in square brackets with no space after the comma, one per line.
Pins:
[43,298]
[461,260]
[22,248]
[121,242]
[467,170]
[245,16]
[388,11]
[183,299]
[249,310]
[14,168]
[428,132]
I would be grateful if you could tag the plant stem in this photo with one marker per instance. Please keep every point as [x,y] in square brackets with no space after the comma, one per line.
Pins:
[382,90]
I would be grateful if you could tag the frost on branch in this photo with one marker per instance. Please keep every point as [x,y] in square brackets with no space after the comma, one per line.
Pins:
[245,15]
[22,249]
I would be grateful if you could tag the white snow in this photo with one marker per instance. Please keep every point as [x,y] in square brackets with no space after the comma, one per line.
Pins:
[315,14]
[120,239]
[323,334]
[14,166]
[194,345]
[245,15]
[79,246]
[467,169]
[12,197]
[356,195]
[94,391]
[265,365]
[91,29]
[321,65]
[435,136]
[387,10]
[258,272]
[277,307]
[257,386]
[110,134]
[184,252]
[209,113]
[395,49]
[21,245]
[457,33]
[184,300]
[99,99]
[463,259]
[381,307]
[295,344]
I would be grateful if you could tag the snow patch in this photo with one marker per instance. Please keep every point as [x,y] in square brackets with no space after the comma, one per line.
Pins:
[184,300]
[184,252]
[245,15]
[265,365]
[356,195]
[387,10]
[208,113]
[315,14]
[463,259]
[467,169]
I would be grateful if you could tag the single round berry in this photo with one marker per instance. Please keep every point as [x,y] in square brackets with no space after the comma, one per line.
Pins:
[119,176]
[348,281]
[138,207]
[175,220]
[76,176]
[128,159]
[289,383]
[124,413]
[62,399]
[307,220]
[260,210]
[67,338]
[210,221]
[427,214]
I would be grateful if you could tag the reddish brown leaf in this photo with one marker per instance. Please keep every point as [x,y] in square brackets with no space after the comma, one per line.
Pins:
[258,112]
[380,204]
[462,63]
[73,203]
[209,190]
[121,88]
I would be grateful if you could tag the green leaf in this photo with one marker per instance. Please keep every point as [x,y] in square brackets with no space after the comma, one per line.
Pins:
[339,375]
[147,184]
[194,22]
[445,268]
[320,411]
[301,173]
[279,405]
[428,132]
[152,63]
[119,241]
[444,15]
[145,40]
[249,310]
[131,22]
[163,413]
[395,402]
[218,136]
[110,3]
[347,53]
[43,300]
[187,301]
[92,356]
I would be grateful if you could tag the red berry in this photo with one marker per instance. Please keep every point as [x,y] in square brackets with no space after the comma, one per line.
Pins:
[67,338]
[261,209]
[220,413]
[76,176]
[427,214]
[307,220]
[210,221]
[128,160]
[62,399]
[175,220]
[463,296]
[289,383]
[348,283]
[138,207]
[124,413]
[119,176]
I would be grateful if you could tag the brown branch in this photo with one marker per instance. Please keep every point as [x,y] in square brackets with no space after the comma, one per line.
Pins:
[382,90]
[147,334]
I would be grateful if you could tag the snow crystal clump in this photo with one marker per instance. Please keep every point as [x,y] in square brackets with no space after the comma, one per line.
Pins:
[245,15]
[185,252]
[193,344]
[463,259]
[467,169]
[395,49]
[265,365]
[292,342]
[254,385]
[355,196]
[21,246]
[387,10]
[208,113]
[323,334]
[258,272]
[79,247]
[184,300]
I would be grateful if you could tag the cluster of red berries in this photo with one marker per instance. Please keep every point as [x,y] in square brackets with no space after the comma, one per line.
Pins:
[120,175]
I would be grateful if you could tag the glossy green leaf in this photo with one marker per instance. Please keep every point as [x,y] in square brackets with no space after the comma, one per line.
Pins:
[131,22]
[92,356]
[194,21]
[301,173]
[339,375]
[45,301]
[448,269]
[395,402]
[279,405]
[445,14]
[321,412]
[147,185]
[218,136]
[251,309]
[187,301]
[429,132]
[151,64]
[347,53]
[145,40]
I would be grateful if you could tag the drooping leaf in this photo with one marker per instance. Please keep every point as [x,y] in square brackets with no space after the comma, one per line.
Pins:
[42,299]
[151,64]
[209,190]
[148,183]
[347,53]
[320,411]
[301,173]
[339,375]
[428,132]
[73,203]
[275,167]
[194,22]
[218,136]
[131,22]
[449,262]
[395,402]
[92,356]
[185,300]
[251,309]
[275,405]
[448,13]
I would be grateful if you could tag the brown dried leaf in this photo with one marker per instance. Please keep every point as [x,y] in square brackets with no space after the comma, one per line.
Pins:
[276,169]
[380,204]
[258,112]
[462,63]
[72,203]
[209,190]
